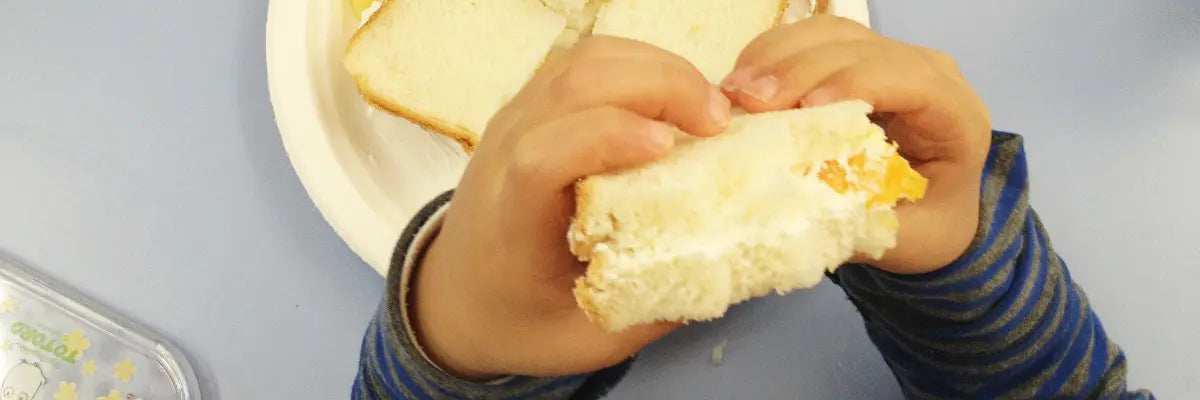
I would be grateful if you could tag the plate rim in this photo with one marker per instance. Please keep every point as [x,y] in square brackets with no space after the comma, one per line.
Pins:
[301,121]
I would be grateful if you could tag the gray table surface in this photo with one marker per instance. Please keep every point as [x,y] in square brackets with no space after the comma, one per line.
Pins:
[139,162]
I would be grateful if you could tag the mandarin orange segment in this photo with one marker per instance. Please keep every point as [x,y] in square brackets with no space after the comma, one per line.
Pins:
[893,180]
[834,176]
[858,162]
[900,181]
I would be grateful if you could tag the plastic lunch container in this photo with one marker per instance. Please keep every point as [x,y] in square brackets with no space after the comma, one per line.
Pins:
[54,344]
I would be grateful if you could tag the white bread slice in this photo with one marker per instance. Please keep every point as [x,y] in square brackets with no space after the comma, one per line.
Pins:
[769,205]
[576,12]
[449,65]
[709,33]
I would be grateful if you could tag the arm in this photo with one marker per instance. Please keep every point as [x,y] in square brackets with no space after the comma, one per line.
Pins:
[1005,320]
[393,366]
[484,287]
[972,302]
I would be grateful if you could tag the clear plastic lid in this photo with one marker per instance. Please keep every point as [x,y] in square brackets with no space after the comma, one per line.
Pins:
[56,345]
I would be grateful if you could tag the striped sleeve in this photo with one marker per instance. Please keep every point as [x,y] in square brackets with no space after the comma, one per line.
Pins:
[1004,321]
[393,366]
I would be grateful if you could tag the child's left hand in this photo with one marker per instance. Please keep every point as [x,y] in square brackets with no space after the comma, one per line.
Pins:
[922,101]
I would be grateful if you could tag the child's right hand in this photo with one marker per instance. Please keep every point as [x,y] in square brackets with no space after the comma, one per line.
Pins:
[922,101]
[493,295]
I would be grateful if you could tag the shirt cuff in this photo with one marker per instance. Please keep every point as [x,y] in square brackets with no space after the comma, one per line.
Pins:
[411,260]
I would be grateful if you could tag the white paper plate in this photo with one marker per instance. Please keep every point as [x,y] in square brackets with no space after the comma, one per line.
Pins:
[366,171]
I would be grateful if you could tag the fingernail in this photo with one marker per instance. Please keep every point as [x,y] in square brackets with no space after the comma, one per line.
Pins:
[736,79]
[819,97]
[719,108]
[763,89]
[662,136]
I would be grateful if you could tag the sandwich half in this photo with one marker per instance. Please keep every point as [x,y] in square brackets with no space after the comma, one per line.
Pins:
[449,65]
[768,206]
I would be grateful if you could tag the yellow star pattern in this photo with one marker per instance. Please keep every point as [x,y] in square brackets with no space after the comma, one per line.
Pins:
[9,304]
[89,368]
[124,370]
[75,341]
[112,395]
[66,391]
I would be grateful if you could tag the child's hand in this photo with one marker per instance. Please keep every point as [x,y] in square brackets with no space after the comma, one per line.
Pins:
[921,100]
[493,295]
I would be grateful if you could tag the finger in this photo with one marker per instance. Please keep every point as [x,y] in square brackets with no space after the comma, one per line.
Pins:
[944,62]
[547,86]
[555,155]
[782,85]
[920,98]
[664,88]
[777,44]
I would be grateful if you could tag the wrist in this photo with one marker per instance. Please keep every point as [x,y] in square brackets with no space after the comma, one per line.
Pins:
[444,322]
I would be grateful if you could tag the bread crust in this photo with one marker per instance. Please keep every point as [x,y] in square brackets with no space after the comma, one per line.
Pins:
[463,136]
[583,297]
[582,291]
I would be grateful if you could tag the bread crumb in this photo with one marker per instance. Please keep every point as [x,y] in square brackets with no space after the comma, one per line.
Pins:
[718,352]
